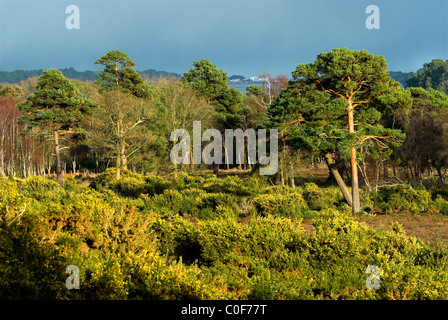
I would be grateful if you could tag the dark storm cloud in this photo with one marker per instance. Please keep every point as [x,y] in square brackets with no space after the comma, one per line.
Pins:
[244,37]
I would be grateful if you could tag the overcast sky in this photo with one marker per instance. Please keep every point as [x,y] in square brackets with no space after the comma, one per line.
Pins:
[243,37]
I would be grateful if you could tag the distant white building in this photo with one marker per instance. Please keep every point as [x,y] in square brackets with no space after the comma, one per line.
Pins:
[257,79]
[254,79]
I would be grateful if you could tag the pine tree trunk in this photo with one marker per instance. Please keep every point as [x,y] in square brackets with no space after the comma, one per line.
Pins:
[334,171]
[356,207]
[59,176]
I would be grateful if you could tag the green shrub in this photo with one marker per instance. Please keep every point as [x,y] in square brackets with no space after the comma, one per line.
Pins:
[284,286]
[156,185]
[402,198]
[179,238]
[38,187]
[314,196]
[129,185]
[152,277]
[441,191]
[233,185]
[185,181]
[441,205]
[29,269]
[283,202]
[186,239]
[174,202]
[11,199]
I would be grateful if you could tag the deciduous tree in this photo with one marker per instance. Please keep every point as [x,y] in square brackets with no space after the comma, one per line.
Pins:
[121,117]
[178,107]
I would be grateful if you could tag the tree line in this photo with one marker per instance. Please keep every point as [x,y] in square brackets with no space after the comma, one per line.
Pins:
[344,109]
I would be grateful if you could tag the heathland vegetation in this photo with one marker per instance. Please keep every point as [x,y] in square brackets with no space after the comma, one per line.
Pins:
[86,180]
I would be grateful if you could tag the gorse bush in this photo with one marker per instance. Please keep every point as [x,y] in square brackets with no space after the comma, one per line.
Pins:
[280,202]
[200,237]
[129,185]
[38,187]
[402,198]
[29,269]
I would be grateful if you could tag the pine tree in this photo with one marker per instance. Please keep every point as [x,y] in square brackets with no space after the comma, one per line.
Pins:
[335,105]
[57,105]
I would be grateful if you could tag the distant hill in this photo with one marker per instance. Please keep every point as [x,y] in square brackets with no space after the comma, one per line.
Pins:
[151,73]
[237,77]
[71,73]
[400,76]
[19,75]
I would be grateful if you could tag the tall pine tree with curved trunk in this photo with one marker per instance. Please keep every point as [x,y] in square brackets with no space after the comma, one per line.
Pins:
[57,105]
[335,105]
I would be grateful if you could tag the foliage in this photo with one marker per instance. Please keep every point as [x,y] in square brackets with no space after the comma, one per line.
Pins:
[433,75]
[426,135]
[211,84]
[182,239]
[129,184]
[402,198]
[56,103]
[335,104]
[119,75]
[206,80]
[29,269]
[280,202]
[176,107]
[190,236]
[316,102]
